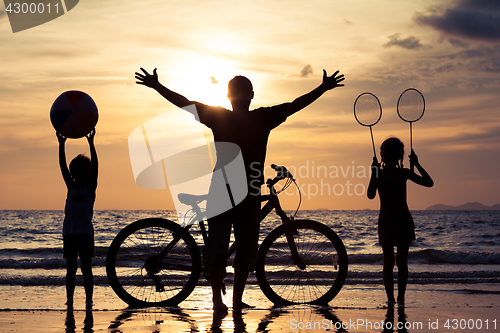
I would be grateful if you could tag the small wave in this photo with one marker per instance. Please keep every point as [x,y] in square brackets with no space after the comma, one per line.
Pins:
[47,280]
[430,256]
[43,263]
[52,258]
[44,252]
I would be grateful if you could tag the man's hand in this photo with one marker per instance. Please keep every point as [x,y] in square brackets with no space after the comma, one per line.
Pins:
[330,82]
[147,79]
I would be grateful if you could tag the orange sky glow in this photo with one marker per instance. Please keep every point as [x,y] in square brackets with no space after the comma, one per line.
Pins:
[197,46]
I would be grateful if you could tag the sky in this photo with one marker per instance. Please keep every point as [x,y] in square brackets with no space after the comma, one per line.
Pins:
[449,50]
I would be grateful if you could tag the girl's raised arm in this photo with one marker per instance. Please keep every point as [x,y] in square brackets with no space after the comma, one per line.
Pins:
[372,187]
[424,179]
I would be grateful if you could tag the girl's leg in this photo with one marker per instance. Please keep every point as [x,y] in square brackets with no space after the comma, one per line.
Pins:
[387,272]
[88,279]
[402,262]
[71,267]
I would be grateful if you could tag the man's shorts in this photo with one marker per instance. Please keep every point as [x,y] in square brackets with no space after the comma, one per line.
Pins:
[244,219]
[78,244]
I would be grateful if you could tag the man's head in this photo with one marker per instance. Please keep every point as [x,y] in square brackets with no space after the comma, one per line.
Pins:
[240,92]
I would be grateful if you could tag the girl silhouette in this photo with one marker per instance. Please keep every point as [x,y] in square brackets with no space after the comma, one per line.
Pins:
[395,224]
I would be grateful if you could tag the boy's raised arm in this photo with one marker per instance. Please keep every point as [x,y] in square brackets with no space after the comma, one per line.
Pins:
[329,82]
[62,161]
[151,81]
[93,159]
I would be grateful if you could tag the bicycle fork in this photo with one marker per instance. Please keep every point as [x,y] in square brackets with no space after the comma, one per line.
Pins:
[290,231]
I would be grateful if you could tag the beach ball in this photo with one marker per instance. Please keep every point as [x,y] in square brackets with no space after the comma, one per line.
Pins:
[74,114]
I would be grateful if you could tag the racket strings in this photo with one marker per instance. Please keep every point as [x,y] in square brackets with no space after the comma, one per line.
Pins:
[367,109]
[411,105]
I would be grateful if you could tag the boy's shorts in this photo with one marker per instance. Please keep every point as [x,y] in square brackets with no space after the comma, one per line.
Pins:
[78,244]
[244,219]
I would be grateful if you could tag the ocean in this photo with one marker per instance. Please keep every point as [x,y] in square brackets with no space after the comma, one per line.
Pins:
[459,248]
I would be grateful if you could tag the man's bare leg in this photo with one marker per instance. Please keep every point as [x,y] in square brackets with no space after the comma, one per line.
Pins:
[239,282]
[216,277]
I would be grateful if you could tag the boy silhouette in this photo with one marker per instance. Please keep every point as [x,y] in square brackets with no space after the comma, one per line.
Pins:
[78,231]
[250,131]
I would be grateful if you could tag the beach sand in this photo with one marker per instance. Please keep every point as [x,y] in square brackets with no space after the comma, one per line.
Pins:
[356,309]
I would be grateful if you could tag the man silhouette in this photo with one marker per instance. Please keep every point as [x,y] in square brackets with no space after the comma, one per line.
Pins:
[250,131]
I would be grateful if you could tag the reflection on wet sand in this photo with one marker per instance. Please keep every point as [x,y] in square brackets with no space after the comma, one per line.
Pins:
[389,323]
[159,320]
[88,322]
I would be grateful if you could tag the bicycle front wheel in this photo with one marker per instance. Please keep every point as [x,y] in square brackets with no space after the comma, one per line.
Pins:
[323,254]
[140,277]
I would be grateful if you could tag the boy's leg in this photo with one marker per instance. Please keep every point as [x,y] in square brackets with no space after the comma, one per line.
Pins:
[71,267]
[86,251]
[71,255]
[88,279]
[402,262]
[387,272]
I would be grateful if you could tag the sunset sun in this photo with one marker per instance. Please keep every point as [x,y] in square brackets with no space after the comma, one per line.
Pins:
[204,79]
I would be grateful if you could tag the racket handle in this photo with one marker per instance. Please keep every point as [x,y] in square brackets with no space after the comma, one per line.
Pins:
[373,143]
[412,167]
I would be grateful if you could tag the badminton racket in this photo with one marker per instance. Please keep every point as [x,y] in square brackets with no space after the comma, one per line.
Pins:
[368,111]
[411,107]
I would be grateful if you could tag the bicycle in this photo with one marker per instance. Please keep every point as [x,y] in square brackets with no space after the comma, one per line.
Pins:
[156,262]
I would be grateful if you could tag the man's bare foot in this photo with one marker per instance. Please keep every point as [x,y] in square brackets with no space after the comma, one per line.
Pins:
[242,305]
[220,307]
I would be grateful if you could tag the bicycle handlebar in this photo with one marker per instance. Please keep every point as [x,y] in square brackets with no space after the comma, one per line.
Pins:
[282,172]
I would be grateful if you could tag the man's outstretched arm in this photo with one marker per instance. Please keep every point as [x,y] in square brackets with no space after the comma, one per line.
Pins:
[329,82]
[151,81]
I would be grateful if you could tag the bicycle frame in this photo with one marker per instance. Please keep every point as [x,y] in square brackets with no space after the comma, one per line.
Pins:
[272,203]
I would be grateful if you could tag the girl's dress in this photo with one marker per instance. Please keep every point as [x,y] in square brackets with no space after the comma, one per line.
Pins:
[395,224]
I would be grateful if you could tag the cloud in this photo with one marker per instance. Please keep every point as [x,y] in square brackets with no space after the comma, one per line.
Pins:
[469,19]
[458,42]
[303,124]
[306,71]
[410,43]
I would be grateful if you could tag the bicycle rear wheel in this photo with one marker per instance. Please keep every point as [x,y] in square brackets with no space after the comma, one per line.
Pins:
[320,249]
[136,274]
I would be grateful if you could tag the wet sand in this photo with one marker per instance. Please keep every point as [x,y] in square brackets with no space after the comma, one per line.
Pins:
[429,308]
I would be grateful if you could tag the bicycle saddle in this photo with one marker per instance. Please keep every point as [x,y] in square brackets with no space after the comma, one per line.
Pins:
[191,199]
